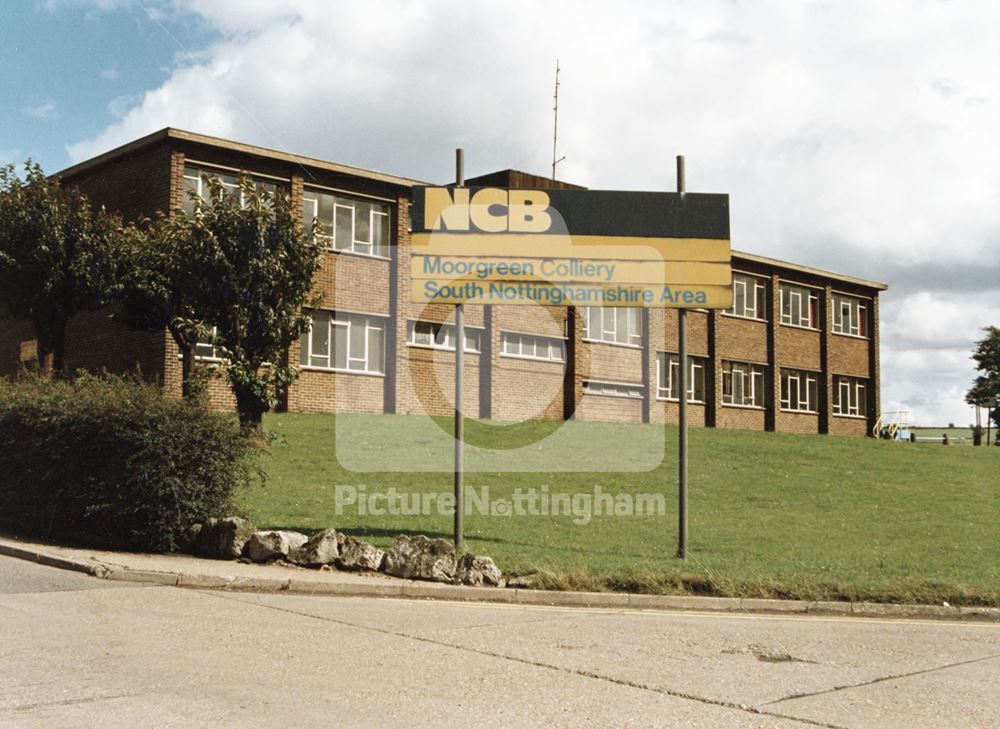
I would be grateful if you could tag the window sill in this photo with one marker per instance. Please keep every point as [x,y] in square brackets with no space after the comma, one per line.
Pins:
[800,412]
[799,326]
[851,417]
[862,337]
[745,318]
[441,349]
[532,359]
[759,408]
[337,371]
[635,398]
[676,400]
[612,344]
[355,254]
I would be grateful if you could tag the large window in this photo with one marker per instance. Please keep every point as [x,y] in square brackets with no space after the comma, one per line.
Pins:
[530,346]
[346,224]
[617,325]
[613,389]
[668,377]
[350,342]
[742,384]
[208,350]
[749,297]
[850,315]
[799,306]
[850,396]
[799,391]
[196,181]
[442,336]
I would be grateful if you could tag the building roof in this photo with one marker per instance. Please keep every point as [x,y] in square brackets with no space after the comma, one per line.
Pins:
[778,263]
[296,159]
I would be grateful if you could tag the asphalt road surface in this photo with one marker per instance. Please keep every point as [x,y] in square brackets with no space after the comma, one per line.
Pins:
[76,651]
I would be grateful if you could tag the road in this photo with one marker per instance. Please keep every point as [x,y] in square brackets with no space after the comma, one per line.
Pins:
[77,651]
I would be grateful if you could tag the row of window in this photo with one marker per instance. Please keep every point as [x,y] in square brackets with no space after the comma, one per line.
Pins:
[362,226]
[799,306]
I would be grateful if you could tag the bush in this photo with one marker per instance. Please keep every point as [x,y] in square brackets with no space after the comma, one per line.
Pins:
[112,461]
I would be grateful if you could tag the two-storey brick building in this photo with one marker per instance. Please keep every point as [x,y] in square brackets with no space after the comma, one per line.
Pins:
[798,351]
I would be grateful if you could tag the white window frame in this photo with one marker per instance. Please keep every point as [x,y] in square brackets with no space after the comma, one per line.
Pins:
[806,387]
[625,390]
[668,367]
[516,344]
[194,179]
[378,215]
[437,335]
[754,288]
[617,325]
[793,298]
[348,323]
[850,316]
[850,396]
[745,382]
[208,351]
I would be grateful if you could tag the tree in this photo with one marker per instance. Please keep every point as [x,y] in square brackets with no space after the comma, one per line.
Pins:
[986,387]
[57,257]
[242,268]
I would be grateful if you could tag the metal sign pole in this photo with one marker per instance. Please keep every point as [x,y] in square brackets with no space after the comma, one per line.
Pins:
[682,436]
[459,377]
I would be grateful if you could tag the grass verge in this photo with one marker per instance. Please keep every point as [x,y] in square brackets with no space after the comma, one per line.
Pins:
[771,514]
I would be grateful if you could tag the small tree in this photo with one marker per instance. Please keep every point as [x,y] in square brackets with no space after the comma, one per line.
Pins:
[985,389]
[57,257]
[257,266]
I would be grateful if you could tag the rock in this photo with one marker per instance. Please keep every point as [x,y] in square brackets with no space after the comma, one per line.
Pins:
[322,548]
[231,535]
[266,546]
[220,538]
[524,582]
[421,558]
[357,554]
[476,570]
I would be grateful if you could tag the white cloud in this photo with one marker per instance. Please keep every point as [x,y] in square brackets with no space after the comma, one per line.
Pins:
[110,73]
[45,110]
[854,136]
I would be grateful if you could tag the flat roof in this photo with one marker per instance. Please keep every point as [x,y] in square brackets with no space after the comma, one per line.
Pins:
[185,136]
[810,270]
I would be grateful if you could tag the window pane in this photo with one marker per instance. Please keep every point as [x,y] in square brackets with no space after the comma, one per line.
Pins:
[340,345]
[325,214]
[376,350]
[345,228]
[380,234]
[362,222]
[321,337]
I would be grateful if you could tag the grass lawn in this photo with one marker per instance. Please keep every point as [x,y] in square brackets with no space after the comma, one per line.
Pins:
[771,514]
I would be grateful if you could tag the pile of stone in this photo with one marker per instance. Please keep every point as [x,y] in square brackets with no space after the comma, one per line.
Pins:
[414,558]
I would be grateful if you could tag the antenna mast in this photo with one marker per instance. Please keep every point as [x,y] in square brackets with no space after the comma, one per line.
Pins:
[555,125]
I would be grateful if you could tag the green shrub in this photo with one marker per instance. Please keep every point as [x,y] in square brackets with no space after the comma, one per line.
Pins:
[112,461]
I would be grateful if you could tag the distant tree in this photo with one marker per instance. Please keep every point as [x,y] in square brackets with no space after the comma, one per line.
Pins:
[58,256]
[238,272]
[986,387]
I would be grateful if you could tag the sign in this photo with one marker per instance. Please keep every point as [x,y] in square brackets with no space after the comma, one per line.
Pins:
[570,247]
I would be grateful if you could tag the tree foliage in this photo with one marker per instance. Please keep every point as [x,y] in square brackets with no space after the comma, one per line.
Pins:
[57,256]
[242,268]
[986,387]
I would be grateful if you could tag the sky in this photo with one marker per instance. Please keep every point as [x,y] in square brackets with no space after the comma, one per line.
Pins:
[862,137]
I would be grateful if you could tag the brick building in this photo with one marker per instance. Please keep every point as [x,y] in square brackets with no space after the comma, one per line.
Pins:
[799,350]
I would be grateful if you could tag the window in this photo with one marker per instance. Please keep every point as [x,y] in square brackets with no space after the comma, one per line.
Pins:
[749,297]
[350,342]
[619,325]
[532,347]
[742,384]
[799,306]
[614,389]
[208,350]
[442,336]
[668,376]
[850,396]
[196,180]
[346,224]
[850,315]
[799,391]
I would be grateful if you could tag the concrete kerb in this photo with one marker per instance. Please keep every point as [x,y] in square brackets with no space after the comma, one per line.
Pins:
[435,591]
